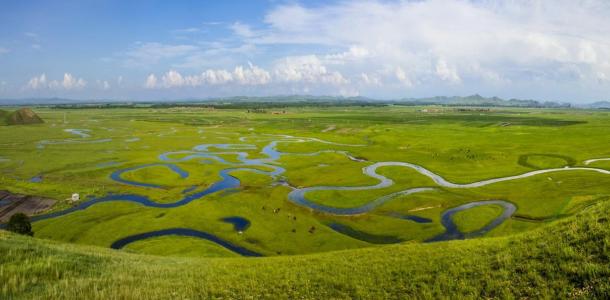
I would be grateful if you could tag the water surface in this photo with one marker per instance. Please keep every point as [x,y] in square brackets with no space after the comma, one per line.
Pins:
[184,232]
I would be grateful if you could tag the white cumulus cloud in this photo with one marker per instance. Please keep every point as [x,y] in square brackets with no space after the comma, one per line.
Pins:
[214,77]
[447,42]
[69,82]
[447,73]
[370,79]
[306,69]
[402,77]
[37,82]
[250,75]
[151,81]
[172,79]
[103,84]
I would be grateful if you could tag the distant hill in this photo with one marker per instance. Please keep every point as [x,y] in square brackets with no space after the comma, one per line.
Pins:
[295,100]
[473,100]
[478,100]
[21,116]
[290,98]
[599,105]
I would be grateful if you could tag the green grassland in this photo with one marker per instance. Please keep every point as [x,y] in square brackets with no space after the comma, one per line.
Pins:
[568,258]
[183,246]
[476,217]
[461,146]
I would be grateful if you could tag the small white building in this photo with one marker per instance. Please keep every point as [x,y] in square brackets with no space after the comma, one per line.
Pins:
[75,197]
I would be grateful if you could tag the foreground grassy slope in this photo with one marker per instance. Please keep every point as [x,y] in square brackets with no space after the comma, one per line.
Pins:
[568,258]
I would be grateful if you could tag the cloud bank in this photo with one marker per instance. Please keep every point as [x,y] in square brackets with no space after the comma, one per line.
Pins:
[409,45]
[450,42]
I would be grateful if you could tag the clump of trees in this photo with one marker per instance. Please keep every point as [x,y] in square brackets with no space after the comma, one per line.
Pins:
[20,223]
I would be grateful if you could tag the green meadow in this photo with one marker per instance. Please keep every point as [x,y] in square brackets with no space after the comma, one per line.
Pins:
[462,146]
[315,252]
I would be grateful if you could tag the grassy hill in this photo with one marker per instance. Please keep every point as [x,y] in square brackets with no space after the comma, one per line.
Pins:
[22,116]
[569,258]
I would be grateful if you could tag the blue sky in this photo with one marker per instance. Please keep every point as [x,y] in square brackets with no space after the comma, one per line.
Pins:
[146,50]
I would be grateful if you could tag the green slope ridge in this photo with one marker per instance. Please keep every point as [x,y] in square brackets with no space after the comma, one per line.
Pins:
[569,258]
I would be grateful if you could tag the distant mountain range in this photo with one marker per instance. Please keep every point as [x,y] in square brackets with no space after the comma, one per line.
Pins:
[599,105]
[478,100]
[473,100]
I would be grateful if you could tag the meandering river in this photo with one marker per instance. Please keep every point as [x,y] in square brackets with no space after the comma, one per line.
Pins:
[184,232]
[297,196]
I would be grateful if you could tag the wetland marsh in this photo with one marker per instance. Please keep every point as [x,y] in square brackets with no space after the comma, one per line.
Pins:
[305,181]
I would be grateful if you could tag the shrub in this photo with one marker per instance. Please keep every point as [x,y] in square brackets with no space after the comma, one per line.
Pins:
[20,223]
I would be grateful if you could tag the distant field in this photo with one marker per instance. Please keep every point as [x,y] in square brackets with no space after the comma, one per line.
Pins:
[146,165]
